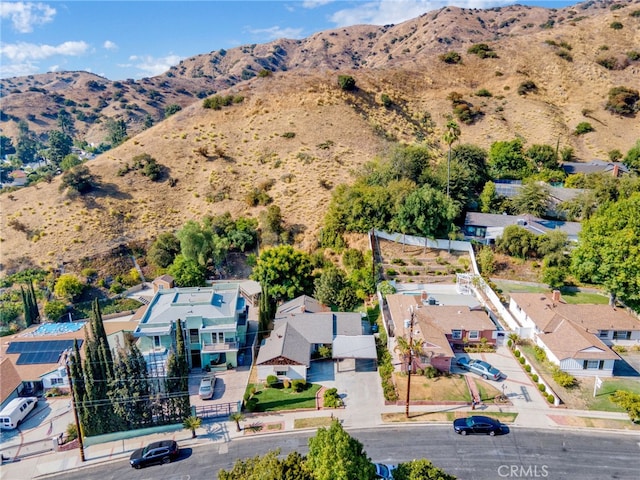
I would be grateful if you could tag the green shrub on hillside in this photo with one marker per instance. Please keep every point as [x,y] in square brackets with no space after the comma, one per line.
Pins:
[451,57]
[583,127]
[616,25]
[528,86]
[482,50]
[346,82]
[623,101]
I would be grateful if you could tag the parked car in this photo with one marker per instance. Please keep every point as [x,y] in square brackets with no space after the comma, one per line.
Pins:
[206,387]
[477,424]
[482,368]
[384,471]
[156,452]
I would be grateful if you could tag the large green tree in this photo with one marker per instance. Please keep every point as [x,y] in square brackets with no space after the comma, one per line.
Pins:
[609,249]
[269,467]
[427,212]
[507,160]
[421,469]
[187,272]
[59,146]
[285,272]
[533,198]
[632,158]
[68,286]
[335,455]
[333,288]
[164,250]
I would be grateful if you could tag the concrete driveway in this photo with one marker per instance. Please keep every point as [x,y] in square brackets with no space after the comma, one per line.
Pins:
[517,385]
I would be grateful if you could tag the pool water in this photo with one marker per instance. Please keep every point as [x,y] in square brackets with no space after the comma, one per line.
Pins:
[57,328]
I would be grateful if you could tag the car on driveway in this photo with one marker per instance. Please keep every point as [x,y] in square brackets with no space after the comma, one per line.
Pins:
[156,452]
[482,368]
[477,424]
[384,471]
[206,388]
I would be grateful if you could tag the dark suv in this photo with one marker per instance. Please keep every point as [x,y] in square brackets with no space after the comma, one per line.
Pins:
[156,452]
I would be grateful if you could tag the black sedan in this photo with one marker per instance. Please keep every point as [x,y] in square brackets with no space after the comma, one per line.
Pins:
[156,452]
[477,424]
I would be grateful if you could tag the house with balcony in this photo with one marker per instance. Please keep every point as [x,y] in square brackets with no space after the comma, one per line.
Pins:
[214,320]
[577,338]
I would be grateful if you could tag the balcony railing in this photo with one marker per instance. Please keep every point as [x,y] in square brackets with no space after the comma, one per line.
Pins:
[219,347]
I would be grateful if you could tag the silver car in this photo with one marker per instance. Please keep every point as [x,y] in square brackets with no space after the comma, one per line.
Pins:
[480,367]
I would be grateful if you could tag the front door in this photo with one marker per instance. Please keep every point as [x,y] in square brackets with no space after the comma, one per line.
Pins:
[195,359]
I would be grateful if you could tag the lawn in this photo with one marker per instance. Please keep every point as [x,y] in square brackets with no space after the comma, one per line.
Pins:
[452,388]
[569,296]
[272,399]
[581,396]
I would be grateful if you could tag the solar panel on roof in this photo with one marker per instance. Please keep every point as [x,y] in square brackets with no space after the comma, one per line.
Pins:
[41,346]
[40,351]
[33,358]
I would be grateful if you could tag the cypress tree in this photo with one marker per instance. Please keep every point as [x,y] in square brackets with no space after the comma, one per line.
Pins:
[35,312]
[25,307]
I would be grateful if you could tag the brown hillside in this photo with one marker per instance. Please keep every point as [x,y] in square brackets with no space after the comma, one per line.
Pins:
[335,131]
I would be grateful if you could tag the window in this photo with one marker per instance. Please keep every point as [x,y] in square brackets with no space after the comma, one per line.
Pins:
[281,373]
[603,333]
[456,334]
[57,381]
[156,341]
[194,337]
[593,365]
[474,334]
[621,335]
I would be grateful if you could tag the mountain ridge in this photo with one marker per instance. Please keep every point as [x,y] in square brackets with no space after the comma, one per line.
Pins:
[297,135]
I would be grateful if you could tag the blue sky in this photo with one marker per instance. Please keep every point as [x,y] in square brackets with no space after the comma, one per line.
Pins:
[135,39]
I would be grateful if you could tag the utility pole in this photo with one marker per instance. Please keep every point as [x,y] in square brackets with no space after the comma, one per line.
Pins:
[410,367]
[75,411]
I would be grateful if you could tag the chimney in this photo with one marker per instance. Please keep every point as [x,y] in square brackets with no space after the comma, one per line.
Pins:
[423,295]
[555,296]
[303,308]
[616,171]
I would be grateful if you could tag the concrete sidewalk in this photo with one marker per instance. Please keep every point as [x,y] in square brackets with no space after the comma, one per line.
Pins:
[222,432]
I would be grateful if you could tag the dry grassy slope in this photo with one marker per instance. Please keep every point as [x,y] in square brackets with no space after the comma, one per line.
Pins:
[132,207]
[310,105]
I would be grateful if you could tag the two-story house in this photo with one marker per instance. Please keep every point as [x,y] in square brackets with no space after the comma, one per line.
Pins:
[214,320]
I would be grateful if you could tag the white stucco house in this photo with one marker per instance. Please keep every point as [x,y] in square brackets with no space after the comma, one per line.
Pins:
[577,338]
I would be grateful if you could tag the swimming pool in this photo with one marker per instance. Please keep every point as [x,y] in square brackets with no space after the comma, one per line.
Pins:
[57,328]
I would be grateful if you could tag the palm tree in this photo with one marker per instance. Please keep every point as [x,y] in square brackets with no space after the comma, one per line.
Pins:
[191,423]
[450,135]
[406,348]
[236,417]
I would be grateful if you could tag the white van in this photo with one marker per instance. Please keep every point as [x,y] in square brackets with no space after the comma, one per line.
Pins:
[15,411]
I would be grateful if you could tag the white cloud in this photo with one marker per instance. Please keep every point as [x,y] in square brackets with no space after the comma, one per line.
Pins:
[315,3]
[18,69]
[25,15]
[109,45]
[276,32]
[23,51]
[152,66]
[384,12]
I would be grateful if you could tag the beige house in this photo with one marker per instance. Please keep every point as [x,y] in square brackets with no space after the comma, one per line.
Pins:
[577,338]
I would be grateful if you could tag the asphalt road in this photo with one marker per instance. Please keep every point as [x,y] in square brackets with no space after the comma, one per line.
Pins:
[522,453]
